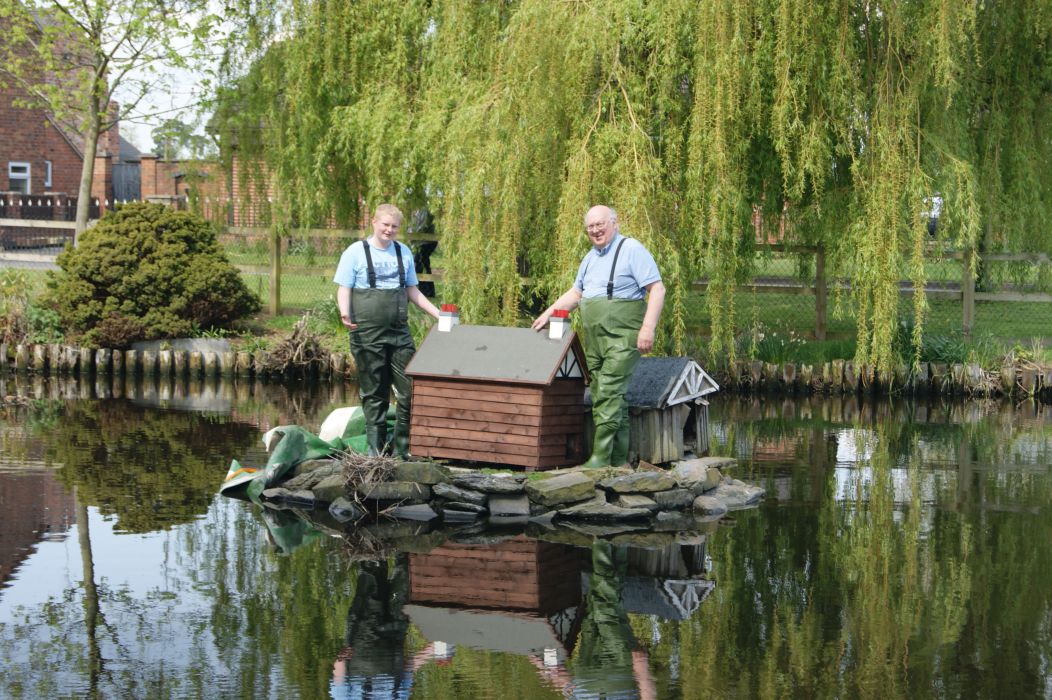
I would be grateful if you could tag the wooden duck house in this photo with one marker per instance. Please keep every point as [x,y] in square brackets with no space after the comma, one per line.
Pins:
[668,411]
[503,395]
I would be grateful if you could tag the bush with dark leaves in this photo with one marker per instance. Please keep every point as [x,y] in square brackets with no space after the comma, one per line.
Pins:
[146,272]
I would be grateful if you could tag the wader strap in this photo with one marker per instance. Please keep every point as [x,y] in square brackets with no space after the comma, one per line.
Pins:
[370,270]
[401,267]
[613,269]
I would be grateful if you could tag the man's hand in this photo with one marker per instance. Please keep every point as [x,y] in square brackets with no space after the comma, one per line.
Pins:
[645,339]
[541,321]
[346,320]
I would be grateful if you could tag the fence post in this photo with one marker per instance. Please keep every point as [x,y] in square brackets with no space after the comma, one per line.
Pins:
[967,292]
[820,293]
[275,271]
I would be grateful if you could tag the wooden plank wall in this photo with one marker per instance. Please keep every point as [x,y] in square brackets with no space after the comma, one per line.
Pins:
[528,426]
[657,434]
[518,574]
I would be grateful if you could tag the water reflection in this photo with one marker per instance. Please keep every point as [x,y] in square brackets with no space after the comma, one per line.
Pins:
[902,553]
[557,616]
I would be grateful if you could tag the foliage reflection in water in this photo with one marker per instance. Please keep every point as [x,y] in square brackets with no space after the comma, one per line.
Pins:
[901,553]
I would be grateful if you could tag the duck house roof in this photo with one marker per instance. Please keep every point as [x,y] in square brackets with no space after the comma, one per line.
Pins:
[498,354]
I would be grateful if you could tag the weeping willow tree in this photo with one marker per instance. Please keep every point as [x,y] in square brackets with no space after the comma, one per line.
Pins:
[836,121]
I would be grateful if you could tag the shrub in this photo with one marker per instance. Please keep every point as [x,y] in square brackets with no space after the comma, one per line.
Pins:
[146,272]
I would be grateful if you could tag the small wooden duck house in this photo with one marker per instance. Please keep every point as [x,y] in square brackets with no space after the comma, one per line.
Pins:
[668,412]
[502,395]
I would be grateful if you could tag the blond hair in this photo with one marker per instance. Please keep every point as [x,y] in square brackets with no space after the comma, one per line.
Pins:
[389,209]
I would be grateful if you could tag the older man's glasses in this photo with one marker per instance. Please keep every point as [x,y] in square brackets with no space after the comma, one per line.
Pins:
[596,226]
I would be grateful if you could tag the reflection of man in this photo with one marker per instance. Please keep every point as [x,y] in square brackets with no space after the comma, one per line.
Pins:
[608,662]
[372,663]
[612,282]
[377,279]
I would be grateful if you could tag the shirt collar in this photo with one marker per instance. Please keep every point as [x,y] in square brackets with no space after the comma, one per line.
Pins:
[604,251]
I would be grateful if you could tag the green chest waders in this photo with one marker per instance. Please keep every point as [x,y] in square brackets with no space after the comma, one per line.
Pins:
[382,346]
[611,328]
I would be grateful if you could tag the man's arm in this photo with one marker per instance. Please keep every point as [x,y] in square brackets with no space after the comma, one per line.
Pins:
[655,302]
[418,298]
[567,301]
[343,300]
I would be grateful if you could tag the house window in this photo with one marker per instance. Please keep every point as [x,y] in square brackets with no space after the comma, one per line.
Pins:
[47,173]
[18,177]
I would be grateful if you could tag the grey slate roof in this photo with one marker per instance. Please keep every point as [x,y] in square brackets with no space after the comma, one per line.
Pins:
[654,380]
[493,354]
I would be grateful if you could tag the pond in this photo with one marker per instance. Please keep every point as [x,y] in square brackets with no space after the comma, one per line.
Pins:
[903,551]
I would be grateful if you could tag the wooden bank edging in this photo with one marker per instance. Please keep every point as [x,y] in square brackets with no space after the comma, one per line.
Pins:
[836,377]
[929,378]
[57,359]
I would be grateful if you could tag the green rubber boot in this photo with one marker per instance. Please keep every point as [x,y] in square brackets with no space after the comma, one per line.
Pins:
[601,447]
[619,450]
[376,439]
[400,442]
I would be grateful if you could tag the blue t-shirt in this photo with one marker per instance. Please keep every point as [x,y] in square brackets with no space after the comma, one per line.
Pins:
[635,270]
[353,271]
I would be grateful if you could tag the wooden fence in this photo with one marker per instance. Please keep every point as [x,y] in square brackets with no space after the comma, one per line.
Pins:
[966,293]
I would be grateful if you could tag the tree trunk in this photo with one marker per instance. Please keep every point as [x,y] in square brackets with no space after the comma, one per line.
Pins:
[87,172]
[91,595]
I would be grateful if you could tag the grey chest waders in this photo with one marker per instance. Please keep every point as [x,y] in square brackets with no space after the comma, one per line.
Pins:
[611,328]
[382,346]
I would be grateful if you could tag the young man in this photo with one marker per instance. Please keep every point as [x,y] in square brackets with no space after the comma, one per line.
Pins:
[377,280]
[612,282]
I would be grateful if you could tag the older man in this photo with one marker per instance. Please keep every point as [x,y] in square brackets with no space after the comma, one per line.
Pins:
[620,292]
[377,279]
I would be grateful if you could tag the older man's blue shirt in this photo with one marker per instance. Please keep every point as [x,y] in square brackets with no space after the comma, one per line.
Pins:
[635,270]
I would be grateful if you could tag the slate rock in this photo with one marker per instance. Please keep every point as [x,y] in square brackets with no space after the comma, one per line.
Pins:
[344,510]
[713,479]
[601,513]
[636,500]
[557,490]
[690,471]
[456,493]
[674,499]
[465,507]
[422,512]
[300,499]
[458,516]
[421,472]
[330,488]
[306,478]
[396,491]
[488,483]
[275,494]
[508,505]
[709,505]
[640,482]
[737,495]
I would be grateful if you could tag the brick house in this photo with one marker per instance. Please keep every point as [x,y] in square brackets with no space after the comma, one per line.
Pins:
[41,156]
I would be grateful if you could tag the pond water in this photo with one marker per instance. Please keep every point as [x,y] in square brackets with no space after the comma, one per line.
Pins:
[903,551]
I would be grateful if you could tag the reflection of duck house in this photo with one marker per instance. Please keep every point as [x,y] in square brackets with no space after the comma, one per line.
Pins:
[504,395]
[668,412]
[669,582]
[519,596]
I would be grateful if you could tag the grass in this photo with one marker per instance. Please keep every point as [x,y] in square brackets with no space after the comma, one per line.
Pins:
[783,317]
